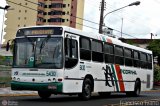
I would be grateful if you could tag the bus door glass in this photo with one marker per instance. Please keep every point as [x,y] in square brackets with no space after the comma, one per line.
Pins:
[71,52]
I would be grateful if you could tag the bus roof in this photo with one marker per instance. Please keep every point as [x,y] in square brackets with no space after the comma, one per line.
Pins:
[95,35]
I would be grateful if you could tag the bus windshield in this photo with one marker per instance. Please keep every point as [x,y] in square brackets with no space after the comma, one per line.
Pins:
[38,52]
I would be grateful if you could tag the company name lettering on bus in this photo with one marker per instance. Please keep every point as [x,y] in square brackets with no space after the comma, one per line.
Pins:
[39,32]
[129,72]
[33,74]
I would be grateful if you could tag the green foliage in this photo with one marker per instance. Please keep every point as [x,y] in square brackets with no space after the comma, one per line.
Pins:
[154,46]
[156,73]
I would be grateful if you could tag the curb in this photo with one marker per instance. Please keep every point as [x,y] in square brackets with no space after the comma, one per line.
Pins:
[152,91]
[14,95]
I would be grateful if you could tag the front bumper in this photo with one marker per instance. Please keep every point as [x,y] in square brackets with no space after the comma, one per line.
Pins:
[53,87]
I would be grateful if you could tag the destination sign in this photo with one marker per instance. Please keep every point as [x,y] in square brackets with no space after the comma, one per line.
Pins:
[40,31]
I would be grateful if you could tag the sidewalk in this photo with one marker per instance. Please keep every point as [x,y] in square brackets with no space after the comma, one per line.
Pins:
[8,92]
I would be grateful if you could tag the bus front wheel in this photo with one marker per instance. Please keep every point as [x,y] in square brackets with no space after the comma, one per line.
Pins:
[44,95]
[86,90]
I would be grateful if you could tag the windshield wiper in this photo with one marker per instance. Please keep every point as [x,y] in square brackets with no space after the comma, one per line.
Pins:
[32,42]
[44,42]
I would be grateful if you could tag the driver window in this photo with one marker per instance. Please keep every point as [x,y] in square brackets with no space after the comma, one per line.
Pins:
[71,53]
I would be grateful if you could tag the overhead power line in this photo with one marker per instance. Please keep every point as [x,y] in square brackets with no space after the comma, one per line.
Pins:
[69,15]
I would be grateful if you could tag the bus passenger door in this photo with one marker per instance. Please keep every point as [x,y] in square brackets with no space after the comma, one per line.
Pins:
[71,73]
[71,56]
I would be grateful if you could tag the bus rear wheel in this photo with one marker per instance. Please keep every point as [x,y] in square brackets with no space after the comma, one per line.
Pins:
[86,90]
[136,91]
[44,95]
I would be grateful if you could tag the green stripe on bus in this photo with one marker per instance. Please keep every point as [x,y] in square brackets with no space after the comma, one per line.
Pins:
[37,86]
[115,78]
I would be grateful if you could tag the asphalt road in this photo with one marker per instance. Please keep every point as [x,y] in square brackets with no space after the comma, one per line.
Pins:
[146,98]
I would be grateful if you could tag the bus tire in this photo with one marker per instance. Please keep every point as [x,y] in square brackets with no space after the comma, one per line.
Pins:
[137,89]
[86,90]
[104,94]
[44,95]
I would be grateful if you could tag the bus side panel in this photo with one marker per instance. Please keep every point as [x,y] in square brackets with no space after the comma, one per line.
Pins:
[101,82]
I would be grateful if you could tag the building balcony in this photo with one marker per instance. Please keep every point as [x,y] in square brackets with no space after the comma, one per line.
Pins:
[39,23]
[55,16]
[40,8]
[55,23]
[42,1]
[40,15]
[56,1]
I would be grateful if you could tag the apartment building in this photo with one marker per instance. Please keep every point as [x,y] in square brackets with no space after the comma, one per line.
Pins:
[43,12]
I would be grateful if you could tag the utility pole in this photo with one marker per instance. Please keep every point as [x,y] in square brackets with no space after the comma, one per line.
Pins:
[122,28]
[101,16]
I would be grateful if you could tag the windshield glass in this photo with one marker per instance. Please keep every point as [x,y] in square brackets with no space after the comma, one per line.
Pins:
[38,53]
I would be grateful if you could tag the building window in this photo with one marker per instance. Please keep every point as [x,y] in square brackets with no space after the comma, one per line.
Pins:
[45,6]
[44,20]
[57,12]
[56,20]
[25,11]
[26,3]
[41,4]
[19,11]
[18,25]
[25,18]
[57,5]
[24,25]
[40,12]
[19,18]
[40,19]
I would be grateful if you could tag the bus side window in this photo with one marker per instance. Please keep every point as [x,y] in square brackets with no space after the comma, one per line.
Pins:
[71,53]
[85,48]
[149,56]
[119,59]
[143,58]
[136,61]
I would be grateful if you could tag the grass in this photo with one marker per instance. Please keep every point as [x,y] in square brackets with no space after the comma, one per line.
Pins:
[5,81]
[5,68]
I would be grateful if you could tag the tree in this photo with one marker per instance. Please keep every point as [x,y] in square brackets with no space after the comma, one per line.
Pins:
[154,46]
[156,73]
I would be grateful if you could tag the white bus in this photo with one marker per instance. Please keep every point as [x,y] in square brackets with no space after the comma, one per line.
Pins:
[64,60]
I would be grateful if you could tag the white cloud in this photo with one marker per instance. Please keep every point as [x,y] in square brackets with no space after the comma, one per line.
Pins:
[139,21]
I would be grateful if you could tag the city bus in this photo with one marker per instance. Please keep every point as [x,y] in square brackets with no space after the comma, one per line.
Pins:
[62,60]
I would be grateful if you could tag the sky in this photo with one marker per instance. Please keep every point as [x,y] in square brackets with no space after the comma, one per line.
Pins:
[138,21]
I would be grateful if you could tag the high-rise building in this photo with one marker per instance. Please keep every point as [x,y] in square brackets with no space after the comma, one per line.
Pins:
[19,17]
[43,12]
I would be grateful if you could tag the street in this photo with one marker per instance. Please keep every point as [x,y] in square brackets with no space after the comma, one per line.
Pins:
[151,98]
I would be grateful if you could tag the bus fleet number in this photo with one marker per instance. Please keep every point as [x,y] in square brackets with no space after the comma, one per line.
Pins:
[82,67]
